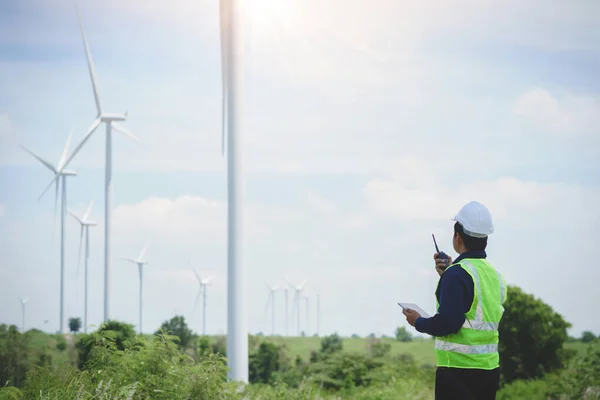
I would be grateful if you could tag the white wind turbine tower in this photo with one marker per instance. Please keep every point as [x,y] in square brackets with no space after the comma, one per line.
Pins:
[60,177]
[140,262]
[203,283]
[287,312]
[231,16]
[318,314]
[296,306]
[305,298]
[110,119]
[85,225]
[271,302]
[23,302]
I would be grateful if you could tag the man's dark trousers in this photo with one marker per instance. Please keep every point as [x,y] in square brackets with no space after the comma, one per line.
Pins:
[466,384]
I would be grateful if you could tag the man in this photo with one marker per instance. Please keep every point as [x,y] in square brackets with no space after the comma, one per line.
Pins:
[470,297]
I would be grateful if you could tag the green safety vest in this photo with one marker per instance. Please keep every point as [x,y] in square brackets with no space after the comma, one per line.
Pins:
[475,345]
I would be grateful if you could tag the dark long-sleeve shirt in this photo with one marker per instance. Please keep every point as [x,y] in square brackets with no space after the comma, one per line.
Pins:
[455,296]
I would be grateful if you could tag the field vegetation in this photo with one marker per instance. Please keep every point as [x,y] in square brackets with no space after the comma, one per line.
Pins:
[539,361]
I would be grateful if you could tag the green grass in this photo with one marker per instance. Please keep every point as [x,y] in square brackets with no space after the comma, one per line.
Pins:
[40,341]
[581,347]
[420,349]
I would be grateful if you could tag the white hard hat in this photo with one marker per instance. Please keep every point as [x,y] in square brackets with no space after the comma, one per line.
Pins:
[475,219]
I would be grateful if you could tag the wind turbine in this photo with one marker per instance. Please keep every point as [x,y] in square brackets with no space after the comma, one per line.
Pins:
[296,306]
[60,176]
[271,302]
[85,225]
[287,315]
[140,261]
[111,121]
[305,298]
[203,283]
[318,314]
[231,16]
[23,302]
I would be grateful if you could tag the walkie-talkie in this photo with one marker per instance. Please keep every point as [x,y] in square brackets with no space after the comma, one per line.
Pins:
[441,254]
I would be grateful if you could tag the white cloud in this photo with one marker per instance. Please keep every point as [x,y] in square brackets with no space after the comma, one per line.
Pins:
[508,198]
[320,203]
[567,114]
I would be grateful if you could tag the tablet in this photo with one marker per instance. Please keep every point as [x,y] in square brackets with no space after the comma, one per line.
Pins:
[413,306]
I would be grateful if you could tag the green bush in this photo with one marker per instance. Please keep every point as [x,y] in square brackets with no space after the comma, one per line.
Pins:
[264,363]
[331,344]
[532,336]
[581,378]
[403,335]
[14,356]
[115,334]
[155,369]
[177,326]
[61,344]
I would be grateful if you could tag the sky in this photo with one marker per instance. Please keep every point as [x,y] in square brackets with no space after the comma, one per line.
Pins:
[368,125]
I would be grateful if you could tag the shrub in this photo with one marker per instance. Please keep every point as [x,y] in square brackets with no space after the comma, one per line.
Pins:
[532,335]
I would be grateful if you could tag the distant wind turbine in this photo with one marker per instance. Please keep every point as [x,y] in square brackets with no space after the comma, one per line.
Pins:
[110,119]
[296,306]
[271,302]
[287,312]
[60,176]
[140,261]
[23,302]
[318,314]
[85,225]
[231,16]
[305,298]
[203,283]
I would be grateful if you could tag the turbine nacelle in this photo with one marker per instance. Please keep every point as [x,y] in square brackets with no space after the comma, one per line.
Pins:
[66,172]
[110,117]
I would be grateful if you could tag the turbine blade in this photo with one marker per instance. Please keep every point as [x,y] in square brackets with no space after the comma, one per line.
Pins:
[87,213]
[197,276]
[225,21]
[79,253]
[93,127]
[143,252]
[196,302]
[63,157]
[56,195]
[120,128]
[55,179]
[131,260]
[46,163]
[75,216]
[90,62]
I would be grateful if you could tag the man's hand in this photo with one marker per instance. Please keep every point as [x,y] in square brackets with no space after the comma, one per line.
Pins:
[440,263]
[411,316]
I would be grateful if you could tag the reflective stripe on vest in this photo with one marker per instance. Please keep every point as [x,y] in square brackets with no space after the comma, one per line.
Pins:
[478,323]
[465,348]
